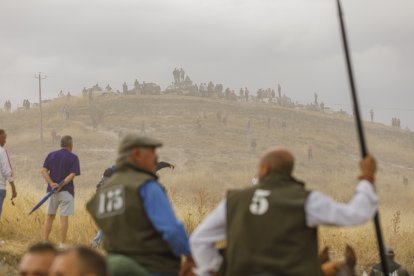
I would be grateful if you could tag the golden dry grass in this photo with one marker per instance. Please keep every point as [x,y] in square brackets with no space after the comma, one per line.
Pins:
[211,159]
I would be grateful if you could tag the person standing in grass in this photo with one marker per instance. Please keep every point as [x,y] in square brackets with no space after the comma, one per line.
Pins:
[6,172]
[60,166]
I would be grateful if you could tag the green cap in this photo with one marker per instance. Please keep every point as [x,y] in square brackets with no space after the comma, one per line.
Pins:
[131,141]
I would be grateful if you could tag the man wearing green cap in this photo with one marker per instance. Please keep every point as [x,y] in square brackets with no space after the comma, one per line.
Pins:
[135,214]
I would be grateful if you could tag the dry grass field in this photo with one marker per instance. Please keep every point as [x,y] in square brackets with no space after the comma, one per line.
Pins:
[210,159]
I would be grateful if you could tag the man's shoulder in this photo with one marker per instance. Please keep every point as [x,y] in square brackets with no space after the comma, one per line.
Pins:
[53,152]
[152,184]
[2,150]
[239,192]
[68,154]
[62,153]
[73,155]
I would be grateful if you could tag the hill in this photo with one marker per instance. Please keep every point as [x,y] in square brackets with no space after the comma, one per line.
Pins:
[211,155]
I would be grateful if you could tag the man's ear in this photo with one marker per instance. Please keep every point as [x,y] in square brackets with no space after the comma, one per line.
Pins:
[324,255]
[350,256]
[266,169]
[263,171]
[134,154]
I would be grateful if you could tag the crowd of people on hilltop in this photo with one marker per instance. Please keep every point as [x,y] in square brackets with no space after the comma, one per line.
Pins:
[183,85]
[270,228]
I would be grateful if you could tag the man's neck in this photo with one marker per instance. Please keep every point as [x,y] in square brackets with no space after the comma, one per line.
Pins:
[140,169]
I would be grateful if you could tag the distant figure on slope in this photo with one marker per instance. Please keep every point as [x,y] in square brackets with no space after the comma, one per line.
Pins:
[249,125]
[405,180]
[310,153]
[55,136]
[225,120]
[253,146]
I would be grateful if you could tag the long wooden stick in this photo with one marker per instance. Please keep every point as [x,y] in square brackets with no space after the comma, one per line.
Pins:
[361,136]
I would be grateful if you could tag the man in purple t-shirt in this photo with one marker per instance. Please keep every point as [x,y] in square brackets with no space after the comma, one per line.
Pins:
[60,166]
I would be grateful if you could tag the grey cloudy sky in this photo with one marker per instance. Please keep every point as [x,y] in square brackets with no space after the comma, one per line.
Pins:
[253,43]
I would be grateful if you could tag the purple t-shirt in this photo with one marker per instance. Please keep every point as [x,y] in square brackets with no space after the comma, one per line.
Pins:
[60,164]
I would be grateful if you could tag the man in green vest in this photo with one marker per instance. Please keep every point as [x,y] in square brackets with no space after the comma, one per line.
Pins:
[134,212]
[271,228]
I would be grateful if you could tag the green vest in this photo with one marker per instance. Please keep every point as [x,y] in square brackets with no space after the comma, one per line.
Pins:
[267,232]
[119,212]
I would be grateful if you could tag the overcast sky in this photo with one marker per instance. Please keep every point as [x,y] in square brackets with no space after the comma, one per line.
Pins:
[253,43]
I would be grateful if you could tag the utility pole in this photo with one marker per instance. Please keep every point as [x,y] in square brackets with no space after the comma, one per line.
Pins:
[40,77]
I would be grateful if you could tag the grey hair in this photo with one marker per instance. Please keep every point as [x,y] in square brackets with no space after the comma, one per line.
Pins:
[66,141]
[123,157]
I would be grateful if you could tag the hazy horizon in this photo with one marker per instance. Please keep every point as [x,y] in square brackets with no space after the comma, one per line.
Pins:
[243,43]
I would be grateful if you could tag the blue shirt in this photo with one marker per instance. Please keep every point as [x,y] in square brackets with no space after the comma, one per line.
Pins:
[60,164]
[162,217]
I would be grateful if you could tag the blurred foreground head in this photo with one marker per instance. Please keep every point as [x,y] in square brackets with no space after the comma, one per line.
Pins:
[139,151]
[79,261]
[277,160]
[37,260]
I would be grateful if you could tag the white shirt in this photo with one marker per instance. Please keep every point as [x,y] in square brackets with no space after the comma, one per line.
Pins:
[320,209]
[6,173]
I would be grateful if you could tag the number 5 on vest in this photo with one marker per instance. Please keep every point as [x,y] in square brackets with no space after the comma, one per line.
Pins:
[259,204]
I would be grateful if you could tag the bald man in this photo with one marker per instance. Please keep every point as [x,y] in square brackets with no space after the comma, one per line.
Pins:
[271,228]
